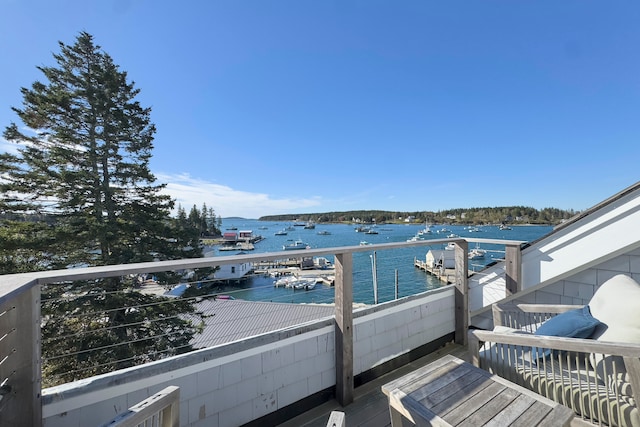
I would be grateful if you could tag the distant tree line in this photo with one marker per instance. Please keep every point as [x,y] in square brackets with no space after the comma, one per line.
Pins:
[204,220]
[476,216]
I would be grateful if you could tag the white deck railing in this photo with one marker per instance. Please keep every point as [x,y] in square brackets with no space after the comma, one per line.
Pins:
[20,316]
[160,410]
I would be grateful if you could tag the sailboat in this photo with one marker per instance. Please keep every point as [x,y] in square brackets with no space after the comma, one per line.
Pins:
[425,230]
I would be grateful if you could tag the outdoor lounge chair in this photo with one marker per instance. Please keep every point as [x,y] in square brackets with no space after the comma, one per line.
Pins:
[586,358]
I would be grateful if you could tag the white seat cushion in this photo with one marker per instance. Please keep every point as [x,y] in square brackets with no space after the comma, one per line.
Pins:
[616,304]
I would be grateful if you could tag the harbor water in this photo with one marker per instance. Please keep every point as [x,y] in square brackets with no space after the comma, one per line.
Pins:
[391,266]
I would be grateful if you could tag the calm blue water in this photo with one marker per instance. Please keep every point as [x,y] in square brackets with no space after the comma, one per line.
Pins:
[389,262]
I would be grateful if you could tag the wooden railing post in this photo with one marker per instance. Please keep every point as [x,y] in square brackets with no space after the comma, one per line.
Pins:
[462,291]
[513,269]
[20,371]
[344,327]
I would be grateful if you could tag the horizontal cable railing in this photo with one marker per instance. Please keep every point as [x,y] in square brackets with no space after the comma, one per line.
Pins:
[97,319]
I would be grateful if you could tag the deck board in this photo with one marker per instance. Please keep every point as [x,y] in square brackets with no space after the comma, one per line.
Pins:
[370,407]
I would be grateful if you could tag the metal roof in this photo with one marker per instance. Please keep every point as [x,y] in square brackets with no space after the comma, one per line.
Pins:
[232,320]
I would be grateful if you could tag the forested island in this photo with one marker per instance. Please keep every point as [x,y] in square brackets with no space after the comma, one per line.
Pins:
[476,216]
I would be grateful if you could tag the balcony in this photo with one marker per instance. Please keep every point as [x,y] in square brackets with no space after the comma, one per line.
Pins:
[307,368]
[235,383]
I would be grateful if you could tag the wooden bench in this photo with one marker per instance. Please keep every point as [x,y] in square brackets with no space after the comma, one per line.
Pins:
[449,392]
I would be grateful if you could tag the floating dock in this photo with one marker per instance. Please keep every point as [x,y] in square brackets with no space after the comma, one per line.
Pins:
[288,268]
[240,246]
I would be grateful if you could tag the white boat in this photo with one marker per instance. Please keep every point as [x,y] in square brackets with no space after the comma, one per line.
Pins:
[364,243]
[294,282]
[324,233]
[298,244]
[306,284]
[415,239]
[281,233]
[371,231]
[285,282]
[504,227]
[477,253]
[425,230]
[240,246]
[310,225]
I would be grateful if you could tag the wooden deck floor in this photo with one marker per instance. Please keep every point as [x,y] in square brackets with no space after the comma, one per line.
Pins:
[370,407]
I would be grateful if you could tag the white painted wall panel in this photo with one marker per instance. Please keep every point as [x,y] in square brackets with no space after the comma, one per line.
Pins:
[238,415]
[243,386]
[604,234]
[401,328]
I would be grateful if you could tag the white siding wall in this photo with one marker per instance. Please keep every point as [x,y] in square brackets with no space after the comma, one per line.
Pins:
[384,335]
[226,391]
[579,288]
[575,289]
[486,287]
[242,386]
[232,271]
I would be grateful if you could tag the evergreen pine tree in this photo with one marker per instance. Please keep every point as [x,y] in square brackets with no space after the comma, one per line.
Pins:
[84,164]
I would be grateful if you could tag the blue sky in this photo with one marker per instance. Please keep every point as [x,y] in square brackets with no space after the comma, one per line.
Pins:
[269,107]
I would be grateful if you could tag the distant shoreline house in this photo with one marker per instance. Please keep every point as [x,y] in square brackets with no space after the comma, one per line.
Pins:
[245,235]
[233,272]
[437,257]
[231,237]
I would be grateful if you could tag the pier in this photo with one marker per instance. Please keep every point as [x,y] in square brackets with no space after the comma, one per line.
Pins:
[446,275]
[264,267]
[296,267]
[240,246]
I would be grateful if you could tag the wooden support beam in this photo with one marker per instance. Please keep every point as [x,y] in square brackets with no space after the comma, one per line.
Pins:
[513,269]
[20,370]
[462,291]
[344,327]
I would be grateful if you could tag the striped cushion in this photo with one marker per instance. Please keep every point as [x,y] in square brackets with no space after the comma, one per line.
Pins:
[566,378]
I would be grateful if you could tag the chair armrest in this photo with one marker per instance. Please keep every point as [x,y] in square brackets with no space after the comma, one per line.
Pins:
[557,343]
[520,316]
[629,352]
